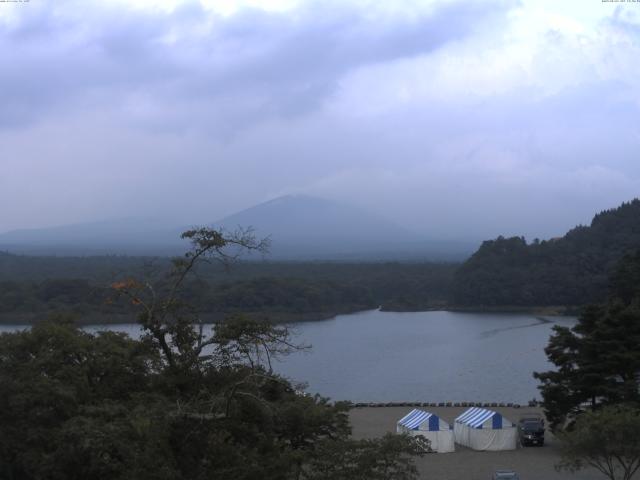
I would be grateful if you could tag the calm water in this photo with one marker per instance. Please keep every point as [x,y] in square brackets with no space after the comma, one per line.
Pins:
[425,356]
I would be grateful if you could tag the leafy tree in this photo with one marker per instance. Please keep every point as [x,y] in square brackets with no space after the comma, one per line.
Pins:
[385,458]
[57,381]
[625,281]
[571,270]
[181,403]
[607,440]
[598,361]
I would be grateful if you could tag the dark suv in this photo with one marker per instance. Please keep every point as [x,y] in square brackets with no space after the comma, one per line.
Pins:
[531,430]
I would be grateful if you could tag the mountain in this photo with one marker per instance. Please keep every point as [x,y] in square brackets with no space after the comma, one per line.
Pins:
[121,236]
[571,270]
[300,228]
[303,227]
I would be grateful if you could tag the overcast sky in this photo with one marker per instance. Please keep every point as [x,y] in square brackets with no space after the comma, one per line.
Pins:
[456,118]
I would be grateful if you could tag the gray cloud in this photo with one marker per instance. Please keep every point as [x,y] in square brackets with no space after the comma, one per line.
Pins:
[190,63]
[426,116]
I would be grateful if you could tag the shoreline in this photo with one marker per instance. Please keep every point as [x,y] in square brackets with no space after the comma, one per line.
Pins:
[96,318]
[514,405]
[87,319]
[546,310]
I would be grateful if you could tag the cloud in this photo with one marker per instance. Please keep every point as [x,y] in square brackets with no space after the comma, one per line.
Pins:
[456,118]
[198,68]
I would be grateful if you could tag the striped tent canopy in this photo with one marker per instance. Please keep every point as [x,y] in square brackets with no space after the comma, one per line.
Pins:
[431,427]
[415,418]
[476,417]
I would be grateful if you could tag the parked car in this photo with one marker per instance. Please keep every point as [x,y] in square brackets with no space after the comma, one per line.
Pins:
[505,475]
[531,430]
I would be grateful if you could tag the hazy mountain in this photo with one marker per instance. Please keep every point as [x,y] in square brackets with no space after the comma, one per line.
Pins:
[300,217]
[300,227]
[122,236]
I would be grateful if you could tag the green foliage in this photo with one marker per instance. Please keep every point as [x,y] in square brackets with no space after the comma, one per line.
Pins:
[298,290]
[625,281]
[78,406]
[598,360]
[607,440]
[181,403]
[288,294]
[57,381]
[572,270]
[385,458]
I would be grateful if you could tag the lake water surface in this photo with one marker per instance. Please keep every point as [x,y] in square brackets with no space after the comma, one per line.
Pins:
[423,356]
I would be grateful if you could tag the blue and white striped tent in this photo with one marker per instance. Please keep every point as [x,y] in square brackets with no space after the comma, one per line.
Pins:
[483,429]
[430,426]
[476,417]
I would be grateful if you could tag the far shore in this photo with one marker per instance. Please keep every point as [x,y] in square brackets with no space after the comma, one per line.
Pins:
[548,310]
[543,310]
[96,318]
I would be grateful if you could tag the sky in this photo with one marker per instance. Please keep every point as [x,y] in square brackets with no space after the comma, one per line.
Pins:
[457,119]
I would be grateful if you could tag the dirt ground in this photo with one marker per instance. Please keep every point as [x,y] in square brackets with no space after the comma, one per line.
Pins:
[531,463]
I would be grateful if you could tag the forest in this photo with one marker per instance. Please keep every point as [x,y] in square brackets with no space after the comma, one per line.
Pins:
[569,272]
[32,286]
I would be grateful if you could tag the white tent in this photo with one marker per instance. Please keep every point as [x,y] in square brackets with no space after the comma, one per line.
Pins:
[430,426]
[482,429]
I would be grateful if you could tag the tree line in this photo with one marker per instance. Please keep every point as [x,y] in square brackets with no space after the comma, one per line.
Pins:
[272,289]
[572,270]
[506,272]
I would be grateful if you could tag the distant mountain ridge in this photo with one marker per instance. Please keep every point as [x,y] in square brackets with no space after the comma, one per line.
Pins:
[300,227]
[571,270]
[119,236]
[304,217]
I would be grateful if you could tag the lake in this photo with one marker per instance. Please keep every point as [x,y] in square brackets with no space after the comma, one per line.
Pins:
[378,356]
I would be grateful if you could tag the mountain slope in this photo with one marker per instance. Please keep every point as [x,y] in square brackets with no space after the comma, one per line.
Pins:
[572,270]
[121,236]
[300,228]
[307,227]
[316,221]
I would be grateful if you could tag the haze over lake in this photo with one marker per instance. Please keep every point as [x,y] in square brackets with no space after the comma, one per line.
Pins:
[378,356]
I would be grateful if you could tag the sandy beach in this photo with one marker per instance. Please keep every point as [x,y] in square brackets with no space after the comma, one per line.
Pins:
[531,463]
